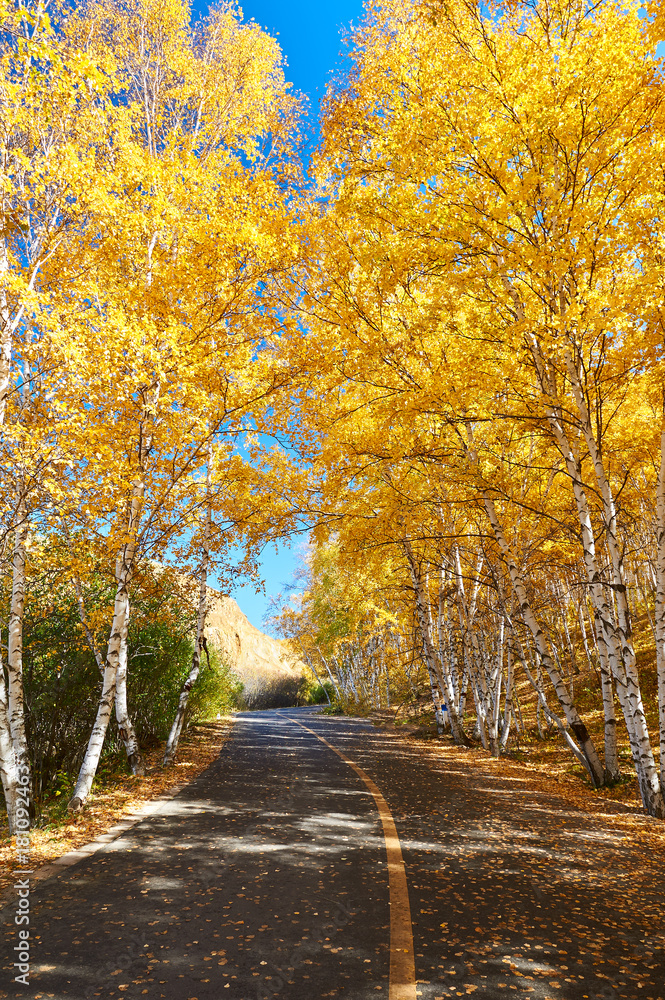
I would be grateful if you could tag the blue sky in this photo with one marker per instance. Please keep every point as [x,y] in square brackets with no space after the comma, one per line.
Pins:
[309,34]
[311,39]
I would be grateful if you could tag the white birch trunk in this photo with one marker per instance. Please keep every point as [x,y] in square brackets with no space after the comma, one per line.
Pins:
[584,638]
[627,676]
[437,697]
[119,626]
[78,590]
[494,731]
[569,641]
[660,600]
[447,647]
[612,772]
[343,679]
[477,660]
[8,768]
[310,663]
[6,328]
[435,667]
[508,708]
[588,750]
[16,701]
[616,639]
[329,672]
[176,728]
[126,729]
[125,564]
[97,736]
[606,636]
[387,676]
[551,716]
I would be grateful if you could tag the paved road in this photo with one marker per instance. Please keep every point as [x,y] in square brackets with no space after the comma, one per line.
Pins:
[266,877]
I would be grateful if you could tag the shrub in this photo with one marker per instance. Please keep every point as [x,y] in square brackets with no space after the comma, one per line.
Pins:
[62,680]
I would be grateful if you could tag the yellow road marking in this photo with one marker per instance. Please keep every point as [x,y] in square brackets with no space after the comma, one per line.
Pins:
[402,982]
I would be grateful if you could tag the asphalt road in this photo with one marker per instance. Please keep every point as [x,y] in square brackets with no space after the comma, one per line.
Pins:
[266,877]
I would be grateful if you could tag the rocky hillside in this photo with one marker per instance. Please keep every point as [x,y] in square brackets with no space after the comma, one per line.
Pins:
[263,664]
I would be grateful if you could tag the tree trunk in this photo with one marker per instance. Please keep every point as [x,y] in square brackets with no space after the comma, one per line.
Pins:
[439,670]
[8,768]
[78,590]
[660,600]
[588,750]
[607,639]
[6,326]
[477,660]
[329,672]
[508,712]
[627,676]
[612,772]
[176,728]
[126,729]
[310,664]
[584,637]
[119,626]
[494,731]
[16,701]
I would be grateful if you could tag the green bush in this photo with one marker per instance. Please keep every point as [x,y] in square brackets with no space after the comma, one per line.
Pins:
[217,690]
[63,683]
[320,694]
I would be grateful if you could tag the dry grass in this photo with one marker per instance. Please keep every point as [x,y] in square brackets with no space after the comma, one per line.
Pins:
[115,795]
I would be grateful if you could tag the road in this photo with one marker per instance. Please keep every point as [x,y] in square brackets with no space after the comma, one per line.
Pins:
[267,877]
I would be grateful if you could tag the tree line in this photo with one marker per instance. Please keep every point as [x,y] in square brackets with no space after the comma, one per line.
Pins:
[451,331]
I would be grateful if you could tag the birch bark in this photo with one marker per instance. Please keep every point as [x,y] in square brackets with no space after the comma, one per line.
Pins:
[477,661]
[437,668]
[8,768]
[78,590]
[202,614]
[126,729]
[330,673]
[16,700]
[121,610]
[494,731]
[618,647]
[96,742]
[508,707]
[589,754]
[651,782]
[660,598]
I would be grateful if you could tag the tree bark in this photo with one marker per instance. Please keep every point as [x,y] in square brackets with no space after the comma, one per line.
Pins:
[660,599]
[8,768]
[588,750]
[124,569]
[126,729]
[627,675]
[16,701]
[439,670]
[508,710]
[622,669]
[176,728]
[78,590]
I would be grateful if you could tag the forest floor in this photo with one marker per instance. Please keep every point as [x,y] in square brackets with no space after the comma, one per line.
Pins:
[115,793]
[549,767]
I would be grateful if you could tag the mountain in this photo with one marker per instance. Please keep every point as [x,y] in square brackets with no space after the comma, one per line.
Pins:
[263,664]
